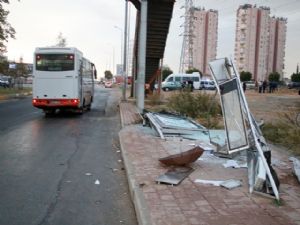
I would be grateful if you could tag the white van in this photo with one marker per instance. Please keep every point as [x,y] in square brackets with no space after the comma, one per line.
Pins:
[182,78]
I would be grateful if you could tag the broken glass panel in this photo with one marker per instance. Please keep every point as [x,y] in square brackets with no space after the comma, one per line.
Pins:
[228,86]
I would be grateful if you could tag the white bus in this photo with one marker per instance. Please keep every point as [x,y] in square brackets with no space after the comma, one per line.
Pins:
[62,79]
[182,78]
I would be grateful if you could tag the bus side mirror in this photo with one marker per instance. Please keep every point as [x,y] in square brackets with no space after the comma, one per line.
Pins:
[95,74]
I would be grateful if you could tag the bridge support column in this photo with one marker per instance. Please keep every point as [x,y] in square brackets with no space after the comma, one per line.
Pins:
[140,88]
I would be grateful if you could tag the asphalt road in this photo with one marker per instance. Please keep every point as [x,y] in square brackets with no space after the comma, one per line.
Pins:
[65,169]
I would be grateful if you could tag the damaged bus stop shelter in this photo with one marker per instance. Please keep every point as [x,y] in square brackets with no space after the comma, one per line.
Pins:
[241,134]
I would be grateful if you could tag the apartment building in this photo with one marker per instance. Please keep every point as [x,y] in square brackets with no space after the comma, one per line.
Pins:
[277,48]
[260,41]
[205,38]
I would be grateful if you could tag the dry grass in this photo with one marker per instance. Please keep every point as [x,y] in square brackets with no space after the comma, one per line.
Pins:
[285,130]
[7,91]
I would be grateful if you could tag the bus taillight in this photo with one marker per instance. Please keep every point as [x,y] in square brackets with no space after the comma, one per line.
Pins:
[75,101]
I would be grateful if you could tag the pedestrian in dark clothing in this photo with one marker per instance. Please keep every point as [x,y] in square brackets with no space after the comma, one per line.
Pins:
[191,85]
[264,86]
[260,85]
[244,86]
[272,86]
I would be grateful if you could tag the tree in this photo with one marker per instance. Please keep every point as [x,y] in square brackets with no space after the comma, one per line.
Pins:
[3,65]
[245,76]
[22,69]
[274,76]
[61,41]
[108,75]
[166,71]
[295,77]
[6,30]
[193,70]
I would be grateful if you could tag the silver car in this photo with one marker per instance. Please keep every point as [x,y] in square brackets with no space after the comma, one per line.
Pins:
[207,85]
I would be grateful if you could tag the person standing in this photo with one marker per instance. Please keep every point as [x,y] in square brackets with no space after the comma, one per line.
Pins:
[260,85]
[244,86]
[191,85]
[264,86]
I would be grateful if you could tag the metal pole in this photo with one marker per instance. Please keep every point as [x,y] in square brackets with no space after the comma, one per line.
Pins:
[257,144]
[114,61]
[121,30]
[125,51]
[142,56]
[160,76]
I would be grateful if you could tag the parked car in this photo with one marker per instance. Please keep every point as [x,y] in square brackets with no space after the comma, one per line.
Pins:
[250,84]
[207,85]
[4,82]
[294,85]
[171,85]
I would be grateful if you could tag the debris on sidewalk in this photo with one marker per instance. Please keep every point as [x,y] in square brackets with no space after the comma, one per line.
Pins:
[229,184]
[280,164]
[296,167]
[234,164]
[212,182]
[97,182]
[174,176]
[241,134]
[168,124]
[183,158]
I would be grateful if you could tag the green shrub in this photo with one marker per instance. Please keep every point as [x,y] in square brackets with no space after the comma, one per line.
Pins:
[200,106]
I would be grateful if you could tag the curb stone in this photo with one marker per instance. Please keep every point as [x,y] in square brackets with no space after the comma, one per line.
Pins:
[136,193]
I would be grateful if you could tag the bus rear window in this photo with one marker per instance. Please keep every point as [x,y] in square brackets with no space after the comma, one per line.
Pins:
[54,62]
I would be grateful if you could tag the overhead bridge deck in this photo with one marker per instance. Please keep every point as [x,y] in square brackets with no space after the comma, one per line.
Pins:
[159,14]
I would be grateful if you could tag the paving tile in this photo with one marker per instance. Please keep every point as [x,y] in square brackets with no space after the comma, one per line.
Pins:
[196,221]
[294,215]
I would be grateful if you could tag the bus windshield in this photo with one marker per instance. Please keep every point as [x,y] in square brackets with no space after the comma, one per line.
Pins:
[55,62]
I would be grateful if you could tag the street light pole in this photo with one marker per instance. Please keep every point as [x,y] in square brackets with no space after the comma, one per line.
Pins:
[125,51]
[121,30]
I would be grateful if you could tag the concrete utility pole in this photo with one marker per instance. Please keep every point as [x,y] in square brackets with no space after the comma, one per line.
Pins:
[140,91]
[125,51]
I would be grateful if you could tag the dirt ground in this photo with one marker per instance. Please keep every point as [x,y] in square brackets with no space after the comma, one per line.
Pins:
[268,106]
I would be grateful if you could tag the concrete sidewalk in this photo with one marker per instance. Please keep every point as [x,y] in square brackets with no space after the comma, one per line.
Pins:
[194,203]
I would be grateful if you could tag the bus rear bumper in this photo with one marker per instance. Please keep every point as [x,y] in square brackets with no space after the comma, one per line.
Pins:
[55,103]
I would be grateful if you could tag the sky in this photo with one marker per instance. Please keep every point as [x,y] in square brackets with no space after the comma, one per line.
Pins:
[96,28]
